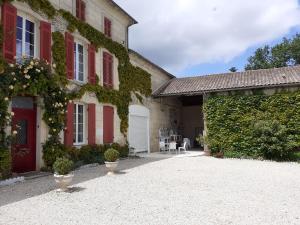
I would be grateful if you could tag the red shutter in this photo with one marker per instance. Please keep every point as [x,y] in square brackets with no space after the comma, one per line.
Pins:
[78,6]
[82,9]
[69,132]
[9,22]
[108,124]
[69,42]
[110,71]
[45,41]
[107,70]
[107,27]
[92,64]
[92,124]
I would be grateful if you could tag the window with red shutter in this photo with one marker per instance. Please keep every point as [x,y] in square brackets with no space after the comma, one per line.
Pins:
[69,42]
[45,41]
[107,70]
[80,10]
[69,131]
[92,124]
[107,27]
[92,64]
[108,124]
[9,23]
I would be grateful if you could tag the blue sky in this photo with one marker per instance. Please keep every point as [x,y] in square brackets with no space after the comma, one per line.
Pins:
[194,37]
[239,62]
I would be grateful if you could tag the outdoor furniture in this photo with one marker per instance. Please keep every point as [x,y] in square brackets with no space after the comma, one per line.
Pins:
[163,146]
[188,143]
[183,148]
[172,146]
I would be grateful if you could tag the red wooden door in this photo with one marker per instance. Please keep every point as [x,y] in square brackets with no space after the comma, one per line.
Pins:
[108,124]
[24,144]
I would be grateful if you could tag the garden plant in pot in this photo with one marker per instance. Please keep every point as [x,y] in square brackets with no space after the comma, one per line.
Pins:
[62,173]
[111,157]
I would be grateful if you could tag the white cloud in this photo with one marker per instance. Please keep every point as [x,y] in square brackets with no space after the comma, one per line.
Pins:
[176,34]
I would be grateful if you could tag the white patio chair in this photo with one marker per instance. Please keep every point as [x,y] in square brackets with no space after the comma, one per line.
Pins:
[162,146]
[172,146]
[188,143]
[183,148]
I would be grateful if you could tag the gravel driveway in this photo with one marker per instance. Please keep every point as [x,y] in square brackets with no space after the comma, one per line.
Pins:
[160,191]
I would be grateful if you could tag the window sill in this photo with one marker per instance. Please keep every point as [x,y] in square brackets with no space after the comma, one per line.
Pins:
[78,83]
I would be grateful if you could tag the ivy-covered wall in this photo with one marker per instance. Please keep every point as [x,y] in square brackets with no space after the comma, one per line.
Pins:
[237,124]
[35,78]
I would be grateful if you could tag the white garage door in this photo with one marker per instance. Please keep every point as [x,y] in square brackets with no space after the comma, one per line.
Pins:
[139,128]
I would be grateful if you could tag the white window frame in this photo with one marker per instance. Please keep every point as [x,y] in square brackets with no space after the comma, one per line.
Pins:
[35,22]
[76,64]
[76,142]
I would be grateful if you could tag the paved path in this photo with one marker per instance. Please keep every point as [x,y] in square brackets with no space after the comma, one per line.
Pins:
[181,190]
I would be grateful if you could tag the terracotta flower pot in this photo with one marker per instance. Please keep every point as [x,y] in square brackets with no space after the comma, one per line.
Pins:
[63,181]
[111,166]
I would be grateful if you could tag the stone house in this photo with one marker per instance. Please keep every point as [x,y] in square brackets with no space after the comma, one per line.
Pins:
[175,102]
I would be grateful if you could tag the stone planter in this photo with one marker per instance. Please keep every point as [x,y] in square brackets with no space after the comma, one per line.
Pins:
[63,181]
[111,166]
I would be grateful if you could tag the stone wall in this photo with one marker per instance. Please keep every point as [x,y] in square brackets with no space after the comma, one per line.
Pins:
[163,111]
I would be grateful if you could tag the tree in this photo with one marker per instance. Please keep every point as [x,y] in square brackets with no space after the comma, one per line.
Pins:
[285,53]
[233,69]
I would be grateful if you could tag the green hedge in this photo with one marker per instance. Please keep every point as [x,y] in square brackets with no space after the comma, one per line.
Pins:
[87,154]
[235,125]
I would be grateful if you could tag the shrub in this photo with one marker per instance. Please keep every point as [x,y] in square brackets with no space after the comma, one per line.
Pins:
[5,164]
[53,150]
[63,166]
[272,140]
[231,128]
[111,155]
[123,150]
[91,154]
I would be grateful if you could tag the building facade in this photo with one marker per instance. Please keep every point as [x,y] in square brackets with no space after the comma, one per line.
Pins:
[27,34]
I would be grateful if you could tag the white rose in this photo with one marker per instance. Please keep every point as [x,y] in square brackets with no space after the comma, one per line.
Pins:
[12,113]
[11,87]
[15,132]
[6,98]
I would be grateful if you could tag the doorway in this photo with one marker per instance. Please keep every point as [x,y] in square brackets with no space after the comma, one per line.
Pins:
[24,142]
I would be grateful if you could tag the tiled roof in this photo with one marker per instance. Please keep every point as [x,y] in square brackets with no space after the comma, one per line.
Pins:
[286,76]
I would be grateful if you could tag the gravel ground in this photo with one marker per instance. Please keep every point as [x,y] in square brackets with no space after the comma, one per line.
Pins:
[161,191]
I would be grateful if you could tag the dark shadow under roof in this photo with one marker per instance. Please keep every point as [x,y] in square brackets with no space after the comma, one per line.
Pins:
[252,79]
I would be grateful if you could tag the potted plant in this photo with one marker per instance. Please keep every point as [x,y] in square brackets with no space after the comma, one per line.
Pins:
[111,157]
[62,173]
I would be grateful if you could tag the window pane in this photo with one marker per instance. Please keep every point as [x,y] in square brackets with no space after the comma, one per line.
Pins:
[29,37]
[74,122]
[29,50]
[80,77]
[20,22]
[80,109]
[19,49]
[22,102]
[80,49]
[29,26]
[19,34]
[80,138]
[21,137]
